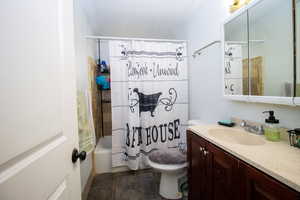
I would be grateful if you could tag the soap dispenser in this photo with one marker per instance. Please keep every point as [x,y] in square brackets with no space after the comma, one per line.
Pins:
[272,131]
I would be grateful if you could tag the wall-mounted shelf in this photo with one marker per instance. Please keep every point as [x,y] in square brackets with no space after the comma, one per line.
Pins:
[105,107]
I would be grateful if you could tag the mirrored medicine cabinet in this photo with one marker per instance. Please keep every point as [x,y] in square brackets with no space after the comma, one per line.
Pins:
[261,61]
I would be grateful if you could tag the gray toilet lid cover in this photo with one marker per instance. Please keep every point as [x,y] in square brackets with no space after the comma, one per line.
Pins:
[168,156]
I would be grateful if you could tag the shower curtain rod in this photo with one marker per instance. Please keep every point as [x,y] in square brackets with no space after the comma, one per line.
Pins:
[130,39]
[199,51]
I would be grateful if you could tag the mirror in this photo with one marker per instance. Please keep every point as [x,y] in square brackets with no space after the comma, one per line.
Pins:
[236,56]
[261,41]
[271,48]
[297,16]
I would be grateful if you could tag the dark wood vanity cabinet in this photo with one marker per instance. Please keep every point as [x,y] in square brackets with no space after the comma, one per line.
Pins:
[222,176]
[257,185]
[215,174]
[197,178]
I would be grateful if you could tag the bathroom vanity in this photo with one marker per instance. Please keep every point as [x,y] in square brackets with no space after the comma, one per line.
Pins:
[229,163]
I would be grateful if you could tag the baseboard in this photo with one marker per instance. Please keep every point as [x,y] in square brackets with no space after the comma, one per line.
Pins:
[87,187]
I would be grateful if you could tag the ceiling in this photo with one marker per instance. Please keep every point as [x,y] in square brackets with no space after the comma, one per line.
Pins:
[139,18]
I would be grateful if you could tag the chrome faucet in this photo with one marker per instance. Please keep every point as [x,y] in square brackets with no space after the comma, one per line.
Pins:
[258,130]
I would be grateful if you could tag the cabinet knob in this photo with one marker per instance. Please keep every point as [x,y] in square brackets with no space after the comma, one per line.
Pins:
[201,149]
[206,153]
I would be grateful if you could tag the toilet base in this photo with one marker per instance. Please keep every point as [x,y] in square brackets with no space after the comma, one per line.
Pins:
[168,187]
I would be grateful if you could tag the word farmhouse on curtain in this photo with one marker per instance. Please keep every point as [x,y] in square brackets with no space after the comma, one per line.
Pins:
[149,82]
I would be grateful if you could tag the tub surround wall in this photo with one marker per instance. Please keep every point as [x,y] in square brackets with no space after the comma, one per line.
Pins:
[206,96]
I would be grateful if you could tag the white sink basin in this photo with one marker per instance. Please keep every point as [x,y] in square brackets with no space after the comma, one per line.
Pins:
[236,136]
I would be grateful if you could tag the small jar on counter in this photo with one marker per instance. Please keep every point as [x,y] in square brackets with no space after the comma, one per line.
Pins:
[294,137]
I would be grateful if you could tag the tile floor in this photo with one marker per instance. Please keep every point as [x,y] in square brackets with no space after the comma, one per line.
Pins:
[133,185]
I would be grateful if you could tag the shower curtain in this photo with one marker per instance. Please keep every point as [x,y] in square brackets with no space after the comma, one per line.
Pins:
[149,83]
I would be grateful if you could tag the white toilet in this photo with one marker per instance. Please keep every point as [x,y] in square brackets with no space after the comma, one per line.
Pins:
[170,173]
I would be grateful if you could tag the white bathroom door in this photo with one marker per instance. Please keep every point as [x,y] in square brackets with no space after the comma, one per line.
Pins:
[38,122]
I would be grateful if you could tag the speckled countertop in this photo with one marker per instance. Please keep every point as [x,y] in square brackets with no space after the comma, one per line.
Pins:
[278,159]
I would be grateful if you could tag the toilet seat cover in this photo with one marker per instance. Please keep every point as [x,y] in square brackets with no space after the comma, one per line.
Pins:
[167,156]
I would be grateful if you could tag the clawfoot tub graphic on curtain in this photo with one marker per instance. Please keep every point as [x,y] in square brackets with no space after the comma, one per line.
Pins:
[149,102]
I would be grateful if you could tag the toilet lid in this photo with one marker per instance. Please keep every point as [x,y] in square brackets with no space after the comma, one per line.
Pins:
[167,156]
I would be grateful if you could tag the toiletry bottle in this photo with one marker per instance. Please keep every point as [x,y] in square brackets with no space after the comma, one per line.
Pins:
[272,131]
[104,68]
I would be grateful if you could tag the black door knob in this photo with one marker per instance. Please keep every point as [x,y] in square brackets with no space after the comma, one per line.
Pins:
[76,155]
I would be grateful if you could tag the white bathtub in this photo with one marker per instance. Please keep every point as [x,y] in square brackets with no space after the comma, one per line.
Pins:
[103,157]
